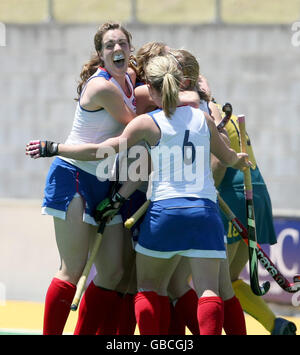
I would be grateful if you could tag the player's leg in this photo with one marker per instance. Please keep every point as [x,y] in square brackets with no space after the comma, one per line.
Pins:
[101,299]
[127,289]
[72,237]
[152,308]
[210,312]
[234,319]
[184,300]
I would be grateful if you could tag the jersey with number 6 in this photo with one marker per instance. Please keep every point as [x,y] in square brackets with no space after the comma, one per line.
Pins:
[181,159]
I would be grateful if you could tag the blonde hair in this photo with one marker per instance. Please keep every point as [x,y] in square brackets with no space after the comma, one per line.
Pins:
[164,75]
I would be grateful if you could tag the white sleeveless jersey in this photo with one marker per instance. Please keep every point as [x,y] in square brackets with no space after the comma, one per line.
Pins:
[181,159]
[97,126]
[204,106]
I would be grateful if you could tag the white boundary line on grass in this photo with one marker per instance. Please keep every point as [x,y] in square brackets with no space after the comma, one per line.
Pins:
[12,331]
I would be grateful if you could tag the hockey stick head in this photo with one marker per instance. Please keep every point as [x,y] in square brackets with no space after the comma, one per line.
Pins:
[254,281]
[296,278]
[294,287]
[262,289]
[227,109]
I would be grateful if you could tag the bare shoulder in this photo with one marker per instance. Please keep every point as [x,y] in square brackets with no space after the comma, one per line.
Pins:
[144,102]
[143,128]
[141,90]
[103,93]
[102,86]
[143,121]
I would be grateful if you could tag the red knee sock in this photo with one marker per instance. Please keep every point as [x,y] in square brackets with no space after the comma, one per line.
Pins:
[210,315]
[127,321]
[57,306]
[95,309]
[147,312]
[164,315]
[110,325]
[186,308]
[234,319]
[177,325]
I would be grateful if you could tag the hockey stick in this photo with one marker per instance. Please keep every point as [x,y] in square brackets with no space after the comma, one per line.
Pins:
[227,109]
[261,255]
[82,281]
[137,215]
[252,241]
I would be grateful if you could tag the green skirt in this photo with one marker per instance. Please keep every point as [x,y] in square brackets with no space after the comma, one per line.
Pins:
[232,192]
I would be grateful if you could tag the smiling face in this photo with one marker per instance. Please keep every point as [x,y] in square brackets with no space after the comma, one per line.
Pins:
[115,52]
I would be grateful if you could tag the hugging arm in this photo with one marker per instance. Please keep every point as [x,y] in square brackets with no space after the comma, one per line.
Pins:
[227,156]
[141,128]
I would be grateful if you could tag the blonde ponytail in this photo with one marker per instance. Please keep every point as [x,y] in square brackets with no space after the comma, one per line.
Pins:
[164,75]
[169,92]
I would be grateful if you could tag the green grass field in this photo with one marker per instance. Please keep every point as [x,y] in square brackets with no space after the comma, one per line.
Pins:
[154,11]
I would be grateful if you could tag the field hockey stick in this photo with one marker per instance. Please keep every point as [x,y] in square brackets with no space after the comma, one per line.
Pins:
[261,255]
[137,215]
[227,109]
[82,281]
[252,241]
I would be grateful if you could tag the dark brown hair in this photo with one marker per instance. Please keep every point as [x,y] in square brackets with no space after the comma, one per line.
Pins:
[189,66]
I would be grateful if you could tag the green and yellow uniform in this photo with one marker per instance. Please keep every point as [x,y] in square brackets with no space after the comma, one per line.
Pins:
[232,191]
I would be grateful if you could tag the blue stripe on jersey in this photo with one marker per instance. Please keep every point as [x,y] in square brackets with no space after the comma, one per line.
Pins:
[103,73]
[151,114]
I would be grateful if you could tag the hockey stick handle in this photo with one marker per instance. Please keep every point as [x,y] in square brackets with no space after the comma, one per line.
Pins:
[137,215]
[82,281]
[261,255]
[252,242]
[247,173]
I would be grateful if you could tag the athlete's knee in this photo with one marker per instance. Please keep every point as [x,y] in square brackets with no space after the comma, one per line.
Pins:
[110,278]
[226,292]
[178,290]
[69,276]
[150,284]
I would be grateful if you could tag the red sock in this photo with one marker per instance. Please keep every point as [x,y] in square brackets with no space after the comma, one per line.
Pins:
[57,306]
[110,325]
[95,309]
[186,308]
[234,319]
[177,326]
[147,312]
[164,316]
[127,321]
[210,315]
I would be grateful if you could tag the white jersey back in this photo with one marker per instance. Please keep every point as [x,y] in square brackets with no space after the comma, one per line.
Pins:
[97,126]
[181,159]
